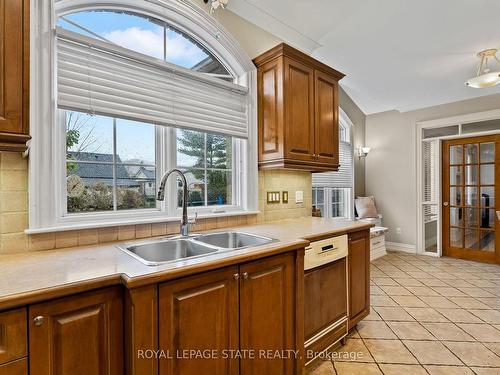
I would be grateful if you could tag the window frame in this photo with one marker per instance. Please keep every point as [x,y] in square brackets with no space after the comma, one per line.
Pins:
[348,137]
[47,172]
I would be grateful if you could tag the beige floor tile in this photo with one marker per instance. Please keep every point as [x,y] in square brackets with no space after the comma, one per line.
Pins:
[322,368]
[373,316]
[382,301]
[494,347]
[408,282]
[353,334]
[489,316]
[438,301]
[431,353]
[375,290]
[459,316]
[468,303]
[433,282]
[409,301]
[425,314]
[476,292]
[353,351]
[493,303]
[481,332]
[449,291]
[351,368]
[449,370]
[384,281]
[375,330]
[397,314]
[389,369]
[396,290]
[389,351]
[410,331]
[448,332]
[473,353]
[422,291]
[486,371]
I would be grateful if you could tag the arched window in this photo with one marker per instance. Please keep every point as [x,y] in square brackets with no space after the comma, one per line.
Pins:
[146,35]
[139,87]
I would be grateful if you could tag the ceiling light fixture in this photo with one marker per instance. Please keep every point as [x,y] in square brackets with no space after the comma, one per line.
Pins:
[485,77]
[215,4]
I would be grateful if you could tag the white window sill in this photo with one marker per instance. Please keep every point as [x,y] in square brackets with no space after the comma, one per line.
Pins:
[119,222]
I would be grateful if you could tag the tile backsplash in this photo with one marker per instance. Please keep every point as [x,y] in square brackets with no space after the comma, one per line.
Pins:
[14,211]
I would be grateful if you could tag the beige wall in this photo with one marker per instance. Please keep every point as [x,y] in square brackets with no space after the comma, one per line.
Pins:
[391,164]
[358,118]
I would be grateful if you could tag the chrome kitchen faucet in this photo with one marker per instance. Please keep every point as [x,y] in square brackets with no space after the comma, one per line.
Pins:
[185,222]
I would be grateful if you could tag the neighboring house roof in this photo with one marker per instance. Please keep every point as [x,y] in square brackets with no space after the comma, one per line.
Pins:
[145,173]
[92,172]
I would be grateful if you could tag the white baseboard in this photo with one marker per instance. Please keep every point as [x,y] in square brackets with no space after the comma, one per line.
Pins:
[377,253]
[403,247]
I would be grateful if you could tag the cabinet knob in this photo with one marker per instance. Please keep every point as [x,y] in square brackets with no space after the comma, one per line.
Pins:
[38,321]
[236,276]
[245,275]
[445,204]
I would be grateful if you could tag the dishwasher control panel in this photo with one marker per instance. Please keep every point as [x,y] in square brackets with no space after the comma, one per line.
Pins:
[326,251]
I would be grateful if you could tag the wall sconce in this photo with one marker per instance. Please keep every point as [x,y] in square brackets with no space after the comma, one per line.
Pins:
[363,152]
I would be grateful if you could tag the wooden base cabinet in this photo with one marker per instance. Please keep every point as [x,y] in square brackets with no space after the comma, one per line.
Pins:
[77,335]
[297,111]
[359,276]
[228,314]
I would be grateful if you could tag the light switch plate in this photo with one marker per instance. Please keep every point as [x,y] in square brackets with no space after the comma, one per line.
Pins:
[284,195]
[299,196]
[273,197]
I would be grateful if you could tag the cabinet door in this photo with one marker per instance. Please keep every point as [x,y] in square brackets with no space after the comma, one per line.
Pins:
[299,112]
[19,367]
[14,30]
[326,130]
[325,296]
[270,110]
[359,276]
[267,314]
[77,335]
[199,313]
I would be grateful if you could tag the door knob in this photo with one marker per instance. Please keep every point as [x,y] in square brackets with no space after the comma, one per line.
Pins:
[38,321]
[445,204]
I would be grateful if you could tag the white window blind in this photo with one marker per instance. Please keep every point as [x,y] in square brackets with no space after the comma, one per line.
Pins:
[98,77]
[342,178]
[431,174]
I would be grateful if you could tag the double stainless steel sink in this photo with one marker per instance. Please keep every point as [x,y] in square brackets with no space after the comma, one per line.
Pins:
[156,252]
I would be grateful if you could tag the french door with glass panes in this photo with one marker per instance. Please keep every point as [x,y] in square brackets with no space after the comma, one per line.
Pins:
[471,198]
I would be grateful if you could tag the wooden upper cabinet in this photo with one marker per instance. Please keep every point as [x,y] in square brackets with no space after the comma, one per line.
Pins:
[14,74]
[297,111]
[326,130]
[77,335]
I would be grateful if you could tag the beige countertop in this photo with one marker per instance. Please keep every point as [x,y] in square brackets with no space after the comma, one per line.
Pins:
[34,277]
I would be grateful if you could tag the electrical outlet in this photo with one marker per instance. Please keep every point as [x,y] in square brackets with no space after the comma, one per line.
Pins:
[299,196]
[399,231]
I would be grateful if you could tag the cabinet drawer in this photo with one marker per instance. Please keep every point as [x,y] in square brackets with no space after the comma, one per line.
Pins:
[377,242]
[19,367]
[12,335]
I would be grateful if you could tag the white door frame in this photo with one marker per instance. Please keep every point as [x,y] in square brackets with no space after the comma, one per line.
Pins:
[448,121]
